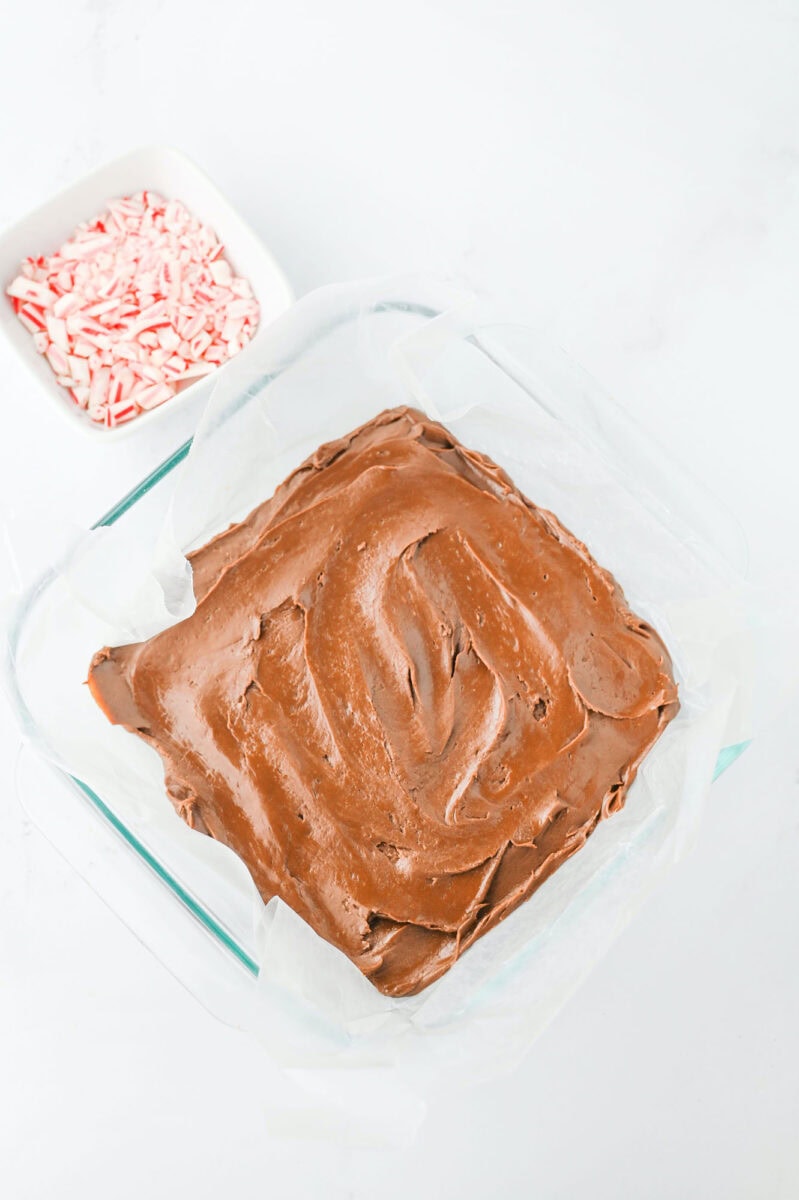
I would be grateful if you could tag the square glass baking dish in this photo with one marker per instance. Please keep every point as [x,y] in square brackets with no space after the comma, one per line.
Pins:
[414,343]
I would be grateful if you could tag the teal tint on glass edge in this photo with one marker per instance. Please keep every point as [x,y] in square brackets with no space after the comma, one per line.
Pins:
[727,757]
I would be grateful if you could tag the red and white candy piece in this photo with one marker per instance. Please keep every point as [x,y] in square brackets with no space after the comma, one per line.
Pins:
[136,304]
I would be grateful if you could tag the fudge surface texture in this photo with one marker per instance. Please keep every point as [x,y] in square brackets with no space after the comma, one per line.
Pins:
[405,697]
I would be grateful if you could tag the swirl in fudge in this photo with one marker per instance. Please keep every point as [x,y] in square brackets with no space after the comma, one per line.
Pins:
[405,697]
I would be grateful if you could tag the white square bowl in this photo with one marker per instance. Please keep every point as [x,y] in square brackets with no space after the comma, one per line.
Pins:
[164,170]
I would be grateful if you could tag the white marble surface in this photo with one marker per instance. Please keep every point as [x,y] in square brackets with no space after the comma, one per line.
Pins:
[627,174]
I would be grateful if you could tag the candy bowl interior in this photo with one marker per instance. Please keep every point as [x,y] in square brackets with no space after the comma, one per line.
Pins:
[169,172]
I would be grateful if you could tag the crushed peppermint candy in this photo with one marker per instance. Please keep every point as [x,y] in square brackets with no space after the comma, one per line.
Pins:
[137,304]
